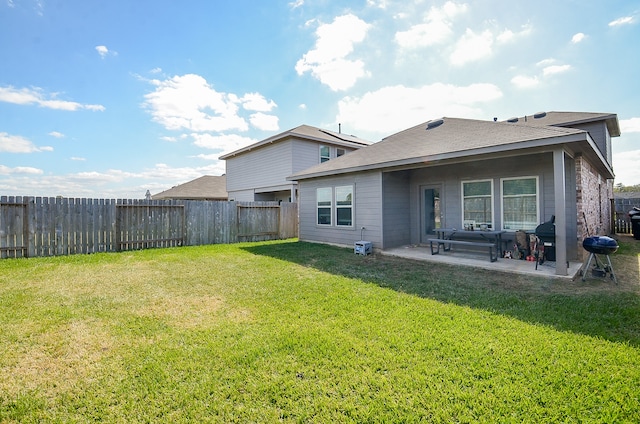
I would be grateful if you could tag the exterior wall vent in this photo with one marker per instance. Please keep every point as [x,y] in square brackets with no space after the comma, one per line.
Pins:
[539,115]
[512,120]
[434,123]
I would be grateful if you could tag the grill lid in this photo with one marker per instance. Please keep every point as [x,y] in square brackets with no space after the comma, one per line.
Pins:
[547,230]
[601,245]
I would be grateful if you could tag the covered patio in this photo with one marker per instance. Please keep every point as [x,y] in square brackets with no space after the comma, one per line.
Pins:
[480,260]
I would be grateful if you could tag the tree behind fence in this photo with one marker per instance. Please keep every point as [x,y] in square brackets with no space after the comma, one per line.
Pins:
[41,226]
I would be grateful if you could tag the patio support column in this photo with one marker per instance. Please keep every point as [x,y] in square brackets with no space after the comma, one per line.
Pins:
[560,199]
[293,193]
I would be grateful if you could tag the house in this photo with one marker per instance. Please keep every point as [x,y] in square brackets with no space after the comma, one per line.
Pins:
[450,172]
[208,187]
[625,201]
[259,172]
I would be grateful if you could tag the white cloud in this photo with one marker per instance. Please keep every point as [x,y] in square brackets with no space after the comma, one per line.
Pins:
[328,60]
[296,4]
[102,51]
[435,29]
[24,181]
[472,47]
[226,143]
[379,4]
[213,156]
[78,159]
[17,144]
[257,102]
[545,62]
[630,125]
[35,96]
[264,122]
[393,108]
[625,166]
[302,106]
[555,69]
[522,81]
[622,21]
[5,170]
[56,134]
[578,38]
[189,102]
[508,36]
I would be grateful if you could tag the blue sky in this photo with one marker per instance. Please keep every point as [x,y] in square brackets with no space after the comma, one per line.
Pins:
[110,99]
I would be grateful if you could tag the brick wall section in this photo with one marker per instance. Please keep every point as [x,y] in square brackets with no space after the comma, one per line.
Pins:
[593,197]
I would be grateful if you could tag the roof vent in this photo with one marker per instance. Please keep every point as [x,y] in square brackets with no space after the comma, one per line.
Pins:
[434,123]
[512,120]
[539,115]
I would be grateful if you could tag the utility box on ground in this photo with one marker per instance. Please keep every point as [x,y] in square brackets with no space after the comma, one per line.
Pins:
[363,248]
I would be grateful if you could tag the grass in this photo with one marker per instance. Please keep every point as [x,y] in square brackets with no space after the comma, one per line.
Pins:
[298,332]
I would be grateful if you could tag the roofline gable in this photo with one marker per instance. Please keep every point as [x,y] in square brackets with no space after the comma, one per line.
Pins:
[305,132]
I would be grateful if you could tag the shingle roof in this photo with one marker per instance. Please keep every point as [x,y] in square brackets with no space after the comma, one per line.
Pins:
[208,187]
[306,132]
[454,138]
[568,119]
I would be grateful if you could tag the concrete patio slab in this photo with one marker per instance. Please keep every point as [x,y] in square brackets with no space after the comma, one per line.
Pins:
[481,260]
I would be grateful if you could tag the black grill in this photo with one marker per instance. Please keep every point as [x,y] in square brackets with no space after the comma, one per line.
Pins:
[546,233]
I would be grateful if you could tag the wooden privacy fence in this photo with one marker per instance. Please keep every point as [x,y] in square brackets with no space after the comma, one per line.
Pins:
[622,223]
[41,226]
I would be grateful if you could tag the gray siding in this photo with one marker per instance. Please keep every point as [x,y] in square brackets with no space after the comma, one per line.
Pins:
[367,210]
[255,174]
[306,154]
[396,220]
[396,209]
[242,195]
[264,167]
[600,135]
[451,177]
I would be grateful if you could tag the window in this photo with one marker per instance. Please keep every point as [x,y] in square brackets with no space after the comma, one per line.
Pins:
[325,153]
[520,203]
[477,198]
[344,206]
[323,198]
[340,152]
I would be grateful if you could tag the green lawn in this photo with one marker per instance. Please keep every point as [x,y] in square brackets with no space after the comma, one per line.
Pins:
[298,332]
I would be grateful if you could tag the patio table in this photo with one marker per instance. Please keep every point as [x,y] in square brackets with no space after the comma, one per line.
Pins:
[494,236]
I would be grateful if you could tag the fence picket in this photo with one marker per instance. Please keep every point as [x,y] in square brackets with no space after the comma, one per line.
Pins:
[46,226]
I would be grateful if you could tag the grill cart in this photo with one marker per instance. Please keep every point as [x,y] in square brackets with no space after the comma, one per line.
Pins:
[599,245]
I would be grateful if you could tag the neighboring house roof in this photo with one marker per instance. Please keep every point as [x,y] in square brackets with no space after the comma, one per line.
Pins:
[626,194]
[448,139]
[569,119]
[208,187]
[306,132]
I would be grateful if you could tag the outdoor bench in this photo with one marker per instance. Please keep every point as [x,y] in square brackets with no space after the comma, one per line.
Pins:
[493,254]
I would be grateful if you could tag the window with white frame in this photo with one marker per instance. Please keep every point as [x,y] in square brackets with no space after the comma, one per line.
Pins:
[325,153]
[340,152]
[344,206]
[520,203]
[324,198]
[477,201]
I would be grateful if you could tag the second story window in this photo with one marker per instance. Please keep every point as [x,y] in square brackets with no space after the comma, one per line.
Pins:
[325,153]
[340,152]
